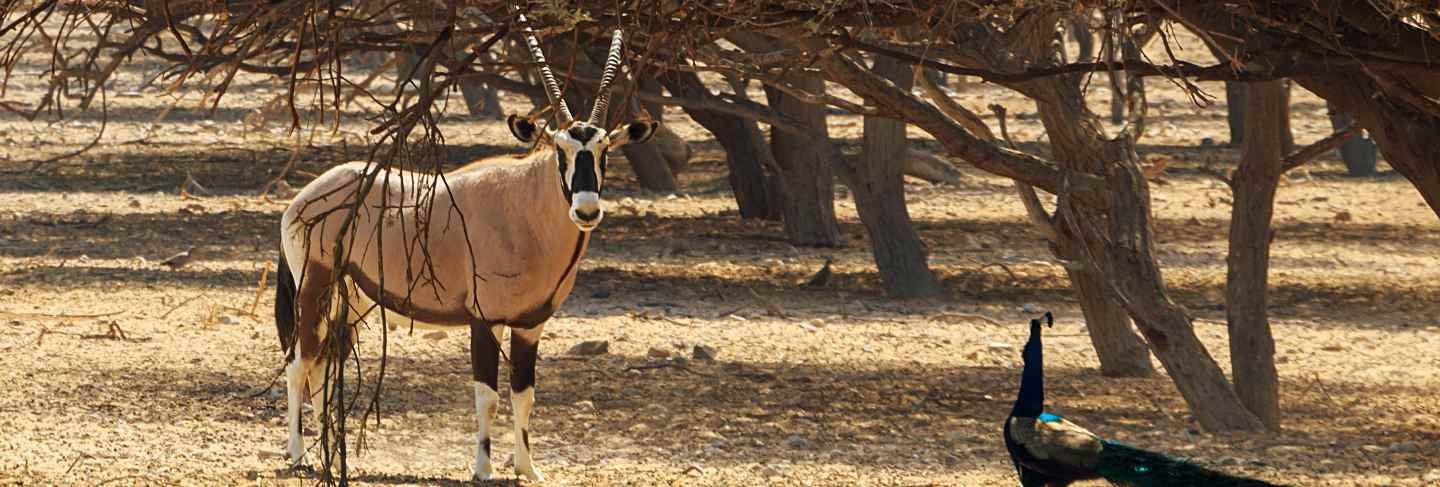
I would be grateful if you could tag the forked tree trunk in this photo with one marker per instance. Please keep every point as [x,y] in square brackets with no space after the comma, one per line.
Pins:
[805,167]
[1252,348]
[747,153]
[1121,240]
[1124,237]
[878,185]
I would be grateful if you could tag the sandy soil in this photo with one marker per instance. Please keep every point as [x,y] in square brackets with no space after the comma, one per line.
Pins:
[847,388]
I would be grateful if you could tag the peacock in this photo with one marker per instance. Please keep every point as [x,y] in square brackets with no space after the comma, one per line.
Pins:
[1050,451]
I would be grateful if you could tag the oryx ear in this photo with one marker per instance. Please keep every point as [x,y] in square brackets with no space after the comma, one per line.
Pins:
[634,133]
[522,128]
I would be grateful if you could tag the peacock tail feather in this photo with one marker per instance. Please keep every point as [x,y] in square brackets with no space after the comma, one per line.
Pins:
[1128,466]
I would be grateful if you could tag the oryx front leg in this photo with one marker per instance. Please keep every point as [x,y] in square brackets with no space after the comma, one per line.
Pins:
[485,365]
[524,350]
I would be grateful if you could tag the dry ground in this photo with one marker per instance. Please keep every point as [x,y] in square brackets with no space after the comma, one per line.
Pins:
[847,389]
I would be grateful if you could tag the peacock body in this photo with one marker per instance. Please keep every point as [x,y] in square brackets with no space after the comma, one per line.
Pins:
[1050,451]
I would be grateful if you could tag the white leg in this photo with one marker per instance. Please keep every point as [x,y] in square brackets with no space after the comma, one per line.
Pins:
[521,403]
[294,389]
[486,402]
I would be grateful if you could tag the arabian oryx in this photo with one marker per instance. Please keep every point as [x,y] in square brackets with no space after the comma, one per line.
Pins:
[494,243]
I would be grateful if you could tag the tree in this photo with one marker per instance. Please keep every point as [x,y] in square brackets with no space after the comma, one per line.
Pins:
[876,180]
[804,158]
[1252,348]
[752,167]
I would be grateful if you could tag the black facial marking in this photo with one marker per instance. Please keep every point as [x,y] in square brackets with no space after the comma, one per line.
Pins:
[604,158]
[585,178]
[583,134]
[564,185]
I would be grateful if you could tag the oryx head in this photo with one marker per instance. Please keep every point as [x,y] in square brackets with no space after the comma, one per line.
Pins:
[581,146]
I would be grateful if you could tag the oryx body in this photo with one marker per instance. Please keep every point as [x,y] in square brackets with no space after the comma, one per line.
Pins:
[495,243]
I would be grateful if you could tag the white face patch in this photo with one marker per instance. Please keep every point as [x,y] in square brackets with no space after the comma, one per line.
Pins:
[568,146]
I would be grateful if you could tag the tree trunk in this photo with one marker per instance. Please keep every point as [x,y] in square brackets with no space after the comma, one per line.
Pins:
[805,167]
[1119,349]
[1235,105]
[1287,137]
[1358,152]
[747,153]
[1079,28]
[879,189]
[1252,348]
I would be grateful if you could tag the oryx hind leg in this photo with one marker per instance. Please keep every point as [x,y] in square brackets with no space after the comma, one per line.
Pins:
[322,371]
[524,352]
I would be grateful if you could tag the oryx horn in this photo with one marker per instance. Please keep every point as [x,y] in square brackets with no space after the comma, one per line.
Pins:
[552,88]
[602,98]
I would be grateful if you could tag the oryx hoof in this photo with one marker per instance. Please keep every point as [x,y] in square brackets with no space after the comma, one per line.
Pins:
[529,473]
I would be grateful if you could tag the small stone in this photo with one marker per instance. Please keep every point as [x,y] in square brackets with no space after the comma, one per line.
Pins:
[998,346]
[796,442]
[1343,216]
[809,327]
[657,352]
[600,294]
[590,348]
[704,353]
[227,320]
[1029,308]
[1333,348]
[435,335]
[1373,449]
[585,405]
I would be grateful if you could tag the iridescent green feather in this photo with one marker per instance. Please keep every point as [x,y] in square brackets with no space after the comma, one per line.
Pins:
[1132,467]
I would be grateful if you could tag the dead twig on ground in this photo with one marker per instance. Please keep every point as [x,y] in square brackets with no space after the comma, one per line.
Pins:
[668,364]
[114,332]
[182,304]
[259,289]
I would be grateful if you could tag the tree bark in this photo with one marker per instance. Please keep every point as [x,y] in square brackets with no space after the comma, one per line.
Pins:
[1235,105]
[747,153]
[1358,152]
[808,197]
[1252,348]
[877,183]
[1287,136]
[1119,349]
[1125,237]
